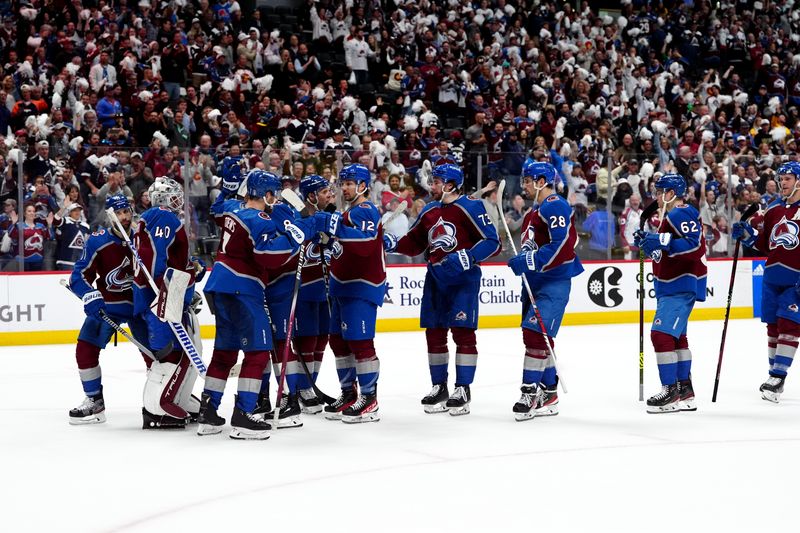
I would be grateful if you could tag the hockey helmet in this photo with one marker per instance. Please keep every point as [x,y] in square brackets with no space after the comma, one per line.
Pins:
[117,202]
[449,173]
[312,183]
[355,172]
[672,182]
[260,182]
[791,167]
[539,169]
[166,192]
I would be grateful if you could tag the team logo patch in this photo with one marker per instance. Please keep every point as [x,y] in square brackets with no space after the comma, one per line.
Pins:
[34,242]
[657,322]
[344,326]
[532,319]
[793,308]
[118,279]
[461,316]
[656,256]
[78,241]
[442,236]
[784,234]
[263,215]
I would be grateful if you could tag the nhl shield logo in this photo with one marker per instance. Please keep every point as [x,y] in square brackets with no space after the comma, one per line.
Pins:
[442,236]
[784,234]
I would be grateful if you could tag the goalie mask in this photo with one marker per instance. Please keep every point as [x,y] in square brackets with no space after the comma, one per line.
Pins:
[168,193]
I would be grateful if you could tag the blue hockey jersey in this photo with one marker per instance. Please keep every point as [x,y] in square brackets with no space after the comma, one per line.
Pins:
[682,267]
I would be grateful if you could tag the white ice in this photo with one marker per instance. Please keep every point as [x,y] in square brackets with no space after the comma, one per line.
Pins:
[603,464]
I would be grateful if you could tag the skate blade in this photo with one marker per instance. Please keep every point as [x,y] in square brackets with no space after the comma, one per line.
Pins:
[366,417]
[435,408]
[97,418]
[290,422]
[248,434]
[333,416]
[671,408]
[313,410]
[208,429]
[522,417]
[550,410]
[687,405]
[773,397]
[459,411]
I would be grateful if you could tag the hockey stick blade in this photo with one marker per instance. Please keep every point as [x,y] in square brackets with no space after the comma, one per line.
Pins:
[750,211]
[648,212]
[399,210]
[293,199]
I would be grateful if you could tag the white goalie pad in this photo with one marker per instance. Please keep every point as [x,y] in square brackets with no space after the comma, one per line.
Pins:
[168,389]
[172,294]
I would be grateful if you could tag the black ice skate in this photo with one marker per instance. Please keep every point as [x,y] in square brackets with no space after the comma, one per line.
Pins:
[665,401]
[547,401]
[263,405]
[436,399]
[248,426]
[91,411]
[686,391]
[525,408]
[772,388]
[309,403]
[289,413]
[365,409]
[458,403]
[151,421]
[209,422]
[345,400]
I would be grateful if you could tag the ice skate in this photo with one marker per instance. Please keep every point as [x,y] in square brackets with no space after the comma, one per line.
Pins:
[665,401]
[365,409]
[209,422]
[289,413]
[458,403]
[309,403]
[525,408]
[686,391]
[91,411]
[248,426]
[547,401]
[345,400]
[772,388]
[263,405]
[436,399]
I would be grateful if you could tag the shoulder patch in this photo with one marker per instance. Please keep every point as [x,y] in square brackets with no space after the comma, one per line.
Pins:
[263,215]
[365,205]
[98,233]
[552,198]
[682,206]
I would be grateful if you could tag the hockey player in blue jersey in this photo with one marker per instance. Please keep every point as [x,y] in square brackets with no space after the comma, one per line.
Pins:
[678,252]
[456,234]
[548,261]
[163,247]
[357,288]
[102,278]
[780,297]
[251,245]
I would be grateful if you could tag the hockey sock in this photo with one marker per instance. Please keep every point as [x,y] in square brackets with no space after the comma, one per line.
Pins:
[438,356]
[535,356]
[250,379]
[319,352]
[772,343]
[466,355]
[788,334]
[147,360]
[367,365]
[549,377]
[304,346]
[666,357]
[218,369]
[345,362]
[88,357]
[684,358]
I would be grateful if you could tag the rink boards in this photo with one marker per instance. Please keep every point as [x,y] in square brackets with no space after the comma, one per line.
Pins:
[36,309]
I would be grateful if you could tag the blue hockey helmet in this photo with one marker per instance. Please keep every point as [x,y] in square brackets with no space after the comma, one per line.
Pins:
[539,169]
[312,183]
[260,182]
[117,202]
[449,173]
[791,167]
[672,182]
[356,172]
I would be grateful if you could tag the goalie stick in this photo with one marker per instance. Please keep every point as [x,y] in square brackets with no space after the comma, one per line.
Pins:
[184,339]
[550,352]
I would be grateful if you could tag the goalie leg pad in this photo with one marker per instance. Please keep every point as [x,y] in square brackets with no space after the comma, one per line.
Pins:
[164,381]
[172,295]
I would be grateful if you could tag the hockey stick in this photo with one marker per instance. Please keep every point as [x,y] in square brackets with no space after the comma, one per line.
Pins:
[177,328]
[301,259]
[550,352]
[645,216]
[117,328]
[750,211]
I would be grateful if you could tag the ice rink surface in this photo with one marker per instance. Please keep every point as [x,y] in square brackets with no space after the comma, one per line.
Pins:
[603,464]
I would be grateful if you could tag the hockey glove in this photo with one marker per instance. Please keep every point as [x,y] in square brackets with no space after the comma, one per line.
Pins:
[389,243]
[231,183]
[199,269]
[327,222]
[522,263]
[93,303]
[456,263]
[334,250]
[655,242]
[745,232]
[302,230]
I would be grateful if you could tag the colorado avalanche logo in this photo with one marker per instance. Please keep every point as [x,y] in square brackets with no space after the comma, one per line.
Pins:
[118,280]
[442,236]
[656,256]
[34,243]
[529,242]
[313,255]
[784,234]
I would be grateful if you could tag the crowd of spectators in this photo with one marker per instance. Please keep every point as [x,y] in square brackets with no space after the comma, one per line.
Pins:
[101,96]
